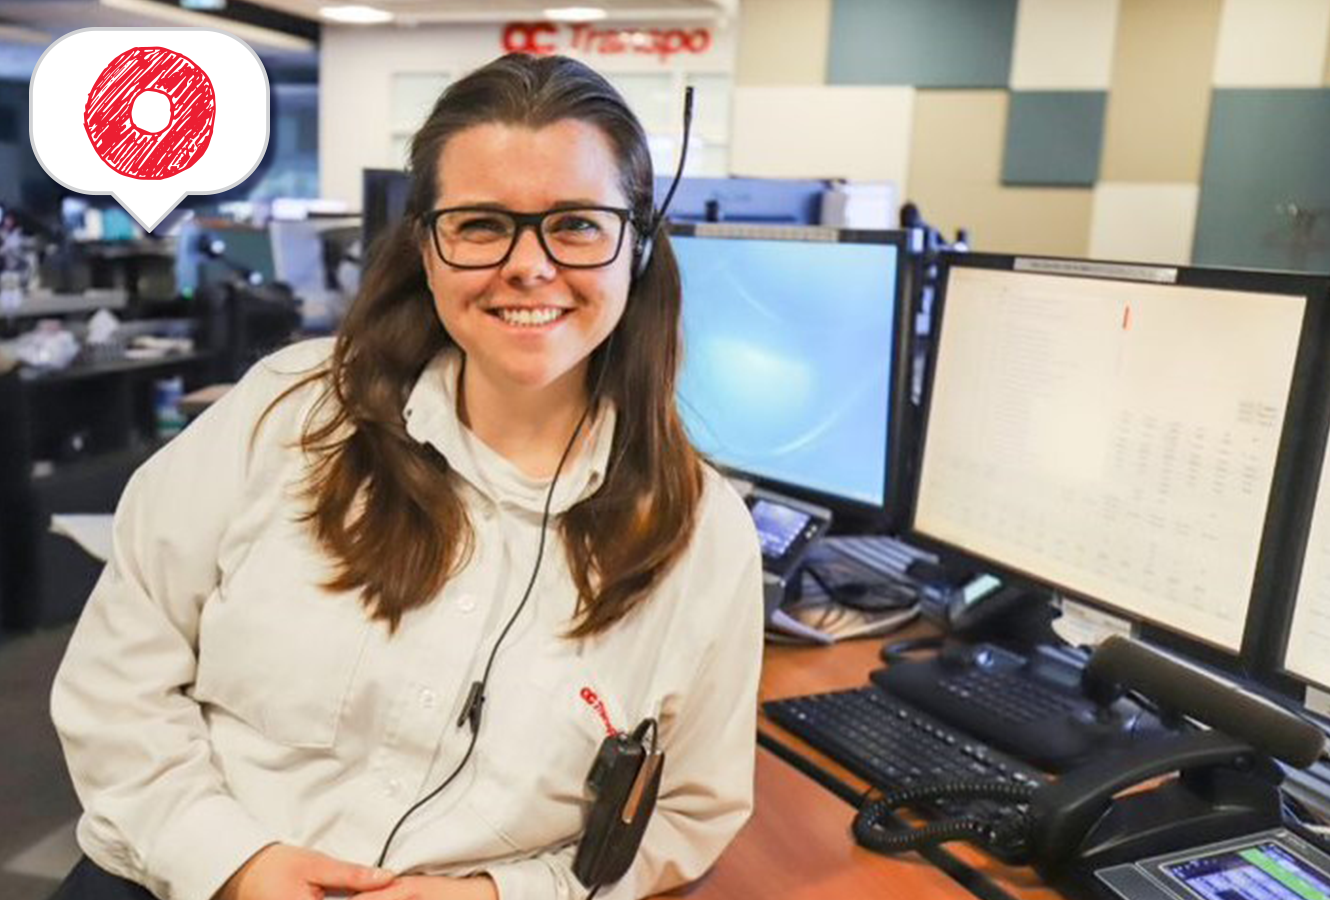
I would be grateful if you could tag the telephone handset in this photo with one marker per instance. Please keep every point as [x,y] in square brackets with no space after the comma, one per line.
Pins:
[1084,821]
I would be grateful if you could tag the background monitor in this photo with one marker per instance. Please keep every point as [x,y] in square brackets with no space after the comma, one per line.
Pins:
[1113,432]
[794,343]
[772,201]
[383,197]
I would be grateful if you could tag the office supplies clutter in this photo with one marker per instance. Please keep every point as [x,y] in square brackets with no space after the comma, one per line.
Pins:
[48,346]
[845,587]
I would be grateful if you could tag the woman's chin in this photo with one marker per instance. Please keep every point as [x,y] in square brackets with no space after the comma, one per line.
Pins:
[536,374]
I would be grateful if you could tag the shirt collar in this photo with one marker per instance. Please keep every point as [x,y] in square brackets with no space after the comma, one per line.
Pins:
[431,418]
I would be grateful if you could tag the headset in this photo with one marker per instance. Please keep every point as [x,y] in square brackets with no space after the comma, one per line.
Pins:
[646,238]
[624,778]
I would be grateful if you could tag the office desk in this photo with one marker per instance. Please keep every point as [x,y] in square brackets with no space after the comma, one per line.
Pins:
[798,844]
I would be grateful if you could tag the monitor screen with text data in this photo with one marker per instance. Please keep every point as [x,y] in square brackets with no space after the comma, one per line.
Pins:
[1112,431]
[792,357]
[1307,653]
[1306,649]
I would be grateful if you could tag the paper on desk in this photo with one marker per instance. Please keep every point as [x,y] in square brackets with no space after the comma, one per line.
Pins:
[840,623]
[91,532]
[1083,626]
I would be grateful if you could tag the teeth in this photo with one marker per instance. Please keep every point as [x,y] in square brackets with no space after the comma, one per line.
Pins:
[530,316]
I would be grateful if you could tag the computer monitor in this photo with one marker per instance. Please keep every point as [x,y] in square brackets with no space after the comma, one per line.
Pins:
[1115,433]
[771,201]
[1300,631]
[1306,653]
[384,193]
[795,348]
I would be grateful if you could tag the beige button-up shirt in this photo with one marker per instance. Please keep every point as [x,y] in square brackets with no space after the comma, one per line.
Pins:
[215,699]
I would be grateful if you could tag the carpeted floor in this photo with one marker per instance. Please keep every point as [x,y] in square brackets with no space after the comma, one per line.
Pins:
[37,842]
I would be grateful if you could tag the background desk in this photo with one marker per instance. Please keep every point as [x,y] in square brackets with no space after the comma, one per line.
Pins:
[798,844]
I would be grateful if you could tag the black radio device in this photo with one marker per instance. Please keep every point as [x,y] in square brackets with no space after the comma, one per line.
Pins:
[624,779]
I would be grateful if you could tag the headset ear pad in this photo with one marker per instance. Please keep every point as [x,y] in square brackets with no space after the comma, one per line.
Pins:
[642,255]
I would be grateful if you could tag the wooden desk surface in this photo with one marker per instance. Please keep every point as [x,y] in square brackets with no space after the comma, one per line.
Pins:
[798,843]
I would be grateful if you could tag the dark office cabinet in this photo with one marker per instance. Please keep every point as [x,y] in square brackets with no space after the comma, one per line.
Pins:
[69,440]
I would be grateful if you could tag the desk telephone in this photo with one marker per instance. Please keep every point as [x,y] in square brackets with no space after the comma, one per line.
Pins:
[1033,707]
[1091,832]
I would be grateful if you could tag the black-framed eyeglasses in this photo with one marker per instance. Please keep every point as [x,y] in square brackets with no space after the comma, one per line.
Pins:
[481,237]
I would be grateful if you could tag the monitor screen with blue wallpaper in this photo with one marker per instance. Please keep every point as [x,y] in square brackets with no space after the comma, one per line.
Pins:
[790,360]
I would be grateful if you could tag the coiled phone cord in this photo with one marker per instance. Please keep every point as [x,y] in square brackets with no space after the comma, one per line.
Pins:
[1006,832]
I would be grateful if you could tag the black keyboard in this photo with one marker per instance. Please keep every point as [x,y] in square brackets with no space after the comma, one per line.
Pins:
[892,745]
[1032,708]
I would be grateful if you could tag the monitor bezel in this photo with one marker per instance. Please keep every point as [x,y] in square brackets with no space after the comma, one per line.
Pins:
[1267,577]
[888,512]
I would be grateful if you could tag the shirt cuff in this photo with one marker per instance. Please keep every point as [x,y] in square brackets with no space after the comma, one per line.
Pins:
[202,848]
[533,879]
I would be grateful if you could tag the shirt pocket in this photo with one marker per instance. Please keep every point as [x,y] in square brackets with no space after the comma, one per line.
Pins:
[277,651]
[542,730]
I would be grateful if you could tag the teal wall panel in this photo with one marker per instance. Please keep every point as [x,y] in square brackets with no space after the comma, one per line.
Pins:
[1266,149]
[926,43]
[1053,137]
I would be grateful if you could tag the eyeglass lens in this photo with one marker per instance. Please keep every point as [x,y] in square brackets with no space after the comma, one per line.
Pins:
[572,237]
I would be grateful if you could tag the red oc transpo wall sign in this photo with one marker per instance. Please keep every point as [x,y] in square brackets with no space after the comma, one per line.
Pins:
[551,37]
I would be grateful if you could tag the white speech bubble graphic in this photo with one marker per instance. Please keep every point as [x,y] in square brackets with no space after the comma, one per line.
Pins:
[96,121]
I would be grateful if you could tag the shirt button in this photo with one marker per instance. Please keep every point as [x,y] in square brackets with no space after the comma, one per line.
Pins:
[427,698]
[487,511]
[466,603]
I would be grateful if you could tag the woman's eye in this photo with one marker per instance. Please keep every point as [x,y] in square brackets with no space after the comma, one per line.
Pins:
[575,225]
[483,226]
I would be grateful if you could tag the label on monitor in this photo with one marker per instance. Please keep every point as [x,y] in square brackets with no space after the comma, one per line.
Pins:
[1085,626]
[1086,269]
[767,232]
[1317,701]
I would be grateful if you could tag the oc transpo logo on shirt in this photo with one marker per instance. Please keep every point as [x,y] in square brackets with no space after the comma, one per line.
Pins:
[149,115]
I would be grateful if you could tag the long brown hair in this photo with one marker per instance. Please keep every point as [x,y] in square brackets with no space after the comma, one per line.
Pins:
[385,506]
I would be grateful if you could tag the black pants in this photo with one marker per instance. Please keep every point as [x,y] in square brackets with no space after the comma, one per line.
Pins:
[89,882]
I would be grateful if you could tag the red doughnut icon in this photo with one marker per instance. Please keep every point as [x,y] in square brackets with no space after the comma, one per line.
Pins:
[134,151]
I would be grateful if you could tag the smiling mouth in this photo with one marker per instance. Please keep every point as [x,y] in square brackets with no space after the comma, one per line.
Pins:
[528,317]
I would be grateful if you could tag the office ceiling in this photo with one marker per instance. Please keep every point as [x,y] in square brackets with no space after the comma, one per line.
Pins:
[442,11]
[28,26]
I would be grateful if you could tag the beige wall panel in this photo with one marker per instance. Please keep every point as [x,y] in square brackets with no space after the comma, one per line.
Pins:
[1038,221]
[860,133]
[783,42]
[957,135]
[1064,44]
[1326,77]
[955,177]
[1144,222]
[1159,99]
[1272,43]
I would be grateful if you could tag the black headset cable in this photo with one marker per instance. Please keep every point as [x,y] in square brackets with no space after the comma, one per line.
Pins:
[475,700]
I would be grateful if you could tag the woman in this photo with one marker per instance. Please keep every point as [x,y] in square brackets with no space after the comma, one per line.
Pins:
[482,481]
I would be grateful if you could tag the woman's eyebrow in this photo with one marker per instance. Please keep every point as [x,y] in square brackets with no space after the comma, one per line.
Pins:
[574,203]
[578,201]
